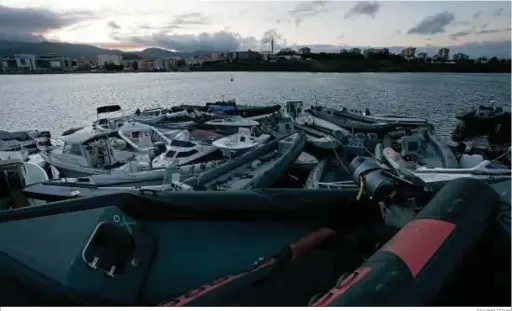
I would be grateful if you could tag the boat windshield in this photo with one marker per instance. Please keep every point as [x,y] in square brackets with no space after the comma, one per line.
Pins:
[182,143]
[181,154]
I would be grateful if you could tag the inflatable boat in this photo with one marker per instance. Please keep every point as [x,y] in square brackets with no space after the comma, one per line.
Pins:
[356,126]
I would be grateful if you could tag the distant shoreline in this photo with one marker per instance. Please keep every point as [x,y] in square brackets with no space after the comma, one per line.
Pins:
[509,71]
[324,66]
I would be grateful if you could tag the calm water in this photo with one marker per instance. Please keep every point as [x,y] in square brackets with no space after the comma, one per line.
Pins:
[58,102]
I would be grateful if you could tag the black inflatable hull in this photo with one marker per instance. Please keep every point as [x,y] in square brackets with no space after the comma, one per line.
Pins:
[180,244]
[329,115]
[422,259]
[258,182]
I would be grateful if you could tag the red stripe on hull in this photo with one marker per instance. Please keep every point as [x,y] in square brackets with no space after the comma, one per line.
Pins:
[310,241]
[297,249]
[417,242]
[195,293]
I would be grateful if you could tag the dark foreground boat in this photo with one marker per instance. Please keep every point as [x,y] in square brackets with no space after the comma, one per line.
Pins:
[124,249]
[256,248]
[445,235]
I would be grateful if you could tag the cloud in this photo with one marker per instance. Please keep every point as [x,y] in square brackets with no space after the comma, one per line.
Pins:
[364,8]
[499,12]
[433,24]
[190,19]
[484,48]
[305,10]
[463,23]
[484,26]
[30,24]
[113,25]
[221,41]
[482,31]
[477,15]
[182,21]
[487,31]
[460,34]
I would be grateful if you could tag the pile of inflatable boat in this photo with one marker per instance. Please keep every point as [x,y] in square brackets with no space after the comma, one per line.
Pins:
[228,205]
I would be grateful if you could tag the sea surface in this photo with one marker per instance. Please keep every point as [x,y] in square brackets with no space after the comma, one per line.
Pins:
[59,102]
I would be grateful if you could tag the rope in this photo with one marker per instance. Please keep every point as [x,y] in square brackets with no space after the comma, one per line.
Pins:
[361,188]
[500,156]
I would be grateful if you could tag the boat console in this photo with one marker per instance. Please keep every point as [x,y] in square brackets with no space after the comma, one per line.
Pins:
[413,148]
[102,252]
[358,144]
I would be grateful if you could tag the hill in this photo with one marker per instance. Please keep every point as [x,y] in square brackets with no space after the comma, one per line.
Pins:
[160,53]
[43,48]
[8,48]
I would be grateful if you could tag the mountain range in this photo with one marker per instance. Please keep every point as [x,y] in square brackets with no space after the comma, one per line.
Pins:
[8,48]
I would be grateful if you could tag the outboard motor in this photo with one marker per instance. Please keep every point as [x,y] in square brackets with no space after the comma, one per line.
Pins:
[12,183]
[339,135]
[12,175]
[382,184]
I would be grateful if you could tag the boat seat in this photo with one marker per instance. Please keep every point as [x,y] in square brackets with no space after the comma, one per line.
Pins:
[386,142]
[470,161]
[361,137]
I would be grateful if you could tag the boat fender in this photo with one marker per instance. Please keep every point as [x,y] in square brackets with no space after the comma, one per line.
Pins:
[420,261]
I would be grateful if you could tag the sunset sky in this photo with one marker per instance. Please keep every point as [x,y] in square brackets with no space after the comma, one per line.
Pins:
[187,25]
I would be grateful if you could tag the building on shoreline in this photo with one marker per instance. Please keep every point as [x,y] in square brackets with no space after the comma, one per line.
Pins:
[34,63]
[443,55]
[109,59]
[369,52]
[408,53]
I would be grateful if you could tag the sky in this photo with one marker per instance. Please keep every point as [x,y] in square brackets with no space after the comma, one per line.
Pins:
[478,28]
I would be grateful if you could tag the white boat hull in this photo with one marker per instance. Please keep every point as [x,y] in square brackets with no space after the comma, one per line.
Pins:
[229,144]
